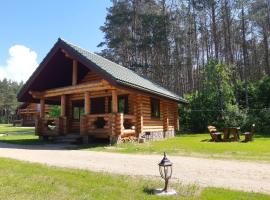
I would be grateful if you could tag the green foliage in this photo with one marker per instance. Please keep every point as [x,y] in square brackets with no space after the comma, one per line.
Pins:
[216,85]
[234,116]
[239,89]
[263,93]
[222,104]
[55,111]
[215,104]
[261,118]
[258,112]
[8,101]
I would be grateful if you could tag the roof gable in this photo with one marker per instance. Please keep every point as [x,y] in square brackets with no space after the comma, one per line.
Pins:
[115,73]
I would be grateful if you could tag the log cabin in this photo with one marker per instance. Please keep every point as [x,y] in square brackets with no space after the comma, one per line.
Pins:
[98,98]
[28,113]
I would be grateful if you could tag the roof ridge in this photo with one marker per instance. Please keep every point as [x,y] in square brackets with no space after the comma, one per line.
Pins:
[69,43]
[117,73]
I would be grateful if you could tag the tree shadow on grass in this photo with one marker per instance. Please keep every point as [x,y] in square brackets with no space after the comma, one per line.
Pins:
[37,144]
[34,144]
[26,142]
[206,140]
[149,190]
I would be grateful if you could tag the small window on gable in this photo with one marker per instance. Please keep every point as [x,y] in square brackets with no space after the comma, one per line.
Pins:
[155,108]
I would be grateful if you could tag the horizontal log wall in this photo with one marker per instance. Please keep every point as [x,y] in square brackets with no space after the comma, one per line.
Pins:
[33,108]
[90,76]
[168,120]
[171,116]
[150,123]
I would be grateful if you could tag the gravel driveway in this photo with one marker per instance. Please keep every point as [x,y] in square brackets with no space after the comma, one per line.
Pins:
[239,175]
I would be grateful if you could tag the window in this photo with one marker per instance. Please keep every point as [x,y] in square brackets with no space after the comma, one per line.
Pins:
[77,109]
[123,104]
[29,117]
[155,108]
[98,105]
[77,112]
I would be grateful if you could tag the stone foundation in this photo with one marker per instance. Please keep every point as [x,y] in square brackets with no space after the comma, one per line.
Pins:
[169,134]
[157,135]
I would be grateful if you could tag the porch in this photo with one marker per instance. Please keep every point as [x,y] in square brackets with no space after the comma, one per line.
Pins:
[93,109]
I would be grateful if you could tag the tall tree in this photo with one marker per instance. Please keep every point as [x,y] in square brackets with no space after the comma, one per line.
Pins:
[8,101]
[170,42]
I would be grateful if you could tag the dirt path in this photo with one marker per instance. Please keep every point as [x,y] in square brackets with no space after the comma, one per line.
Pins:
[247,176]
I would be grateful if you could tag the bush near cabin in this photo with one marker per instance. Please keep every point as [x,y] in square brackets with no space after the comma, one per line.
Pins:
[221,102]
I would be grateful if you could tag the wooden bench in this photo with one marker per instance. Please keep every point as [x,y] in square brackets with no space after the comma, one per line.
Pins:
[249,135]
[216,136]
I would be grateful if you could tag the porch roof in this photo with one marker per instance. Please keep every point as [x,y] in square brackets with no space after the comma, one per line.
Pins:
[111,71]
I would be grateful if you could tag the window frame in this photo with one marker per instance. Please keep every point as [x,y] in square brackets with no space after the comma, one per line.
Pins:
[80,111]
[119,97]
[155,104]
[125,98]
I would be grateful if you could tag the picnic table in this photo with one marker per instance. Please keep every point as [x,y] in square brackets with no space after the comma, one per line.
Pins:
[231,131]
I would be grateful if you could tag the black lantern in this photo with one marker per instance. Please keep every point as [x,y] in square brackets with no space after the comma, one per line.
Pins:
[165,170]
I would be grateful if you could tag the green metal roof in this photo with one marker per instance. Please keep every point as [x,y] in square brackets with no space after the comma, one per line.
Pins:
[123,75]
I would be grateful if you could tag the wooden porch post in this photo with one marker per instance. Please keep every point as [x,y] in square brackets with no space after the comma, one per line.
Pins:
[139,115]
[63,105]
[176,118]
[87,103]
[42,108]
[74,72]
[114,102]
[165,116]
[116,122]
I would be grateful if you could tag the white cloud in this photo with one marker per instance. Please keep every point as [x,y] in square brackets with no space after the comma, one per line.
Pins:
[20,64]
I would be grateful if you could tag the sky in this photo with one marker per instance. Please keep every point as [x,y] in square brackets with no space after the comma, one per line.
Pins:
[29,29]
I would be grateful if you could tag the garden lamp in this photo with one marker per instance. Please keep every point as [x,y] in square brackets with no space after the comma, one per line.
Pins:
[165,170]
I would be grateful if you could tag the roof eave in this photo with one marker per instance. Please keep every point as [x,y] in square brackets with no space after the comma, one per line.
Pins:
[113,80]
[179,99]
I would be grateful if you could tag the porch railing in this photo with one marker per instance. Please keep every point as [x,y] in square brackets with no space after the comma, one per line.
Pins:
[47,126]
[109,124]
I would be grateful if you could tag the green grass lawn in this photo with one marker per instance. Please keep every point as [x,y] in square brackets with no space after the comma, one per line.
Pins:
[18,135]
[197,145]
[21,180]
[9,129]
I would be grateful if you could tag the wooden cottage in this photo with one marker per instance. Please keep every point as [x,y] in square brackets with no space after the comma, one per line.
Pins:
[98,98]
[29,112]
